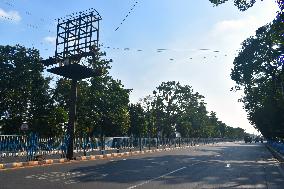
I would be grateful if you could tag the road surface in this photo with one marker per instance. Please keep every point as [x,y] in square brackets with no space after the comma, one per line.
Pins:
[226,165]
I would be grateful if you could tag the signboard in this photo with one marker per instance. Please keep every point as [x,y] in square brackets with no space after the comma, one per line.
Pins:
[24,127]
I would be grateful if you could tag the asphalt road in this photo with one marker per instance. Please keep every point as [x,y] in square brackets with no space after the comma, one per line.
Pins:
[227,165]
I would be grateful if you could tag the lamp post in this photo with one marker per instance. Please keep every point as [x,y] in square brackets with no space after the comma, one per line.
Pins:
[149,123]
[148,103]
[155,113]
[168,124]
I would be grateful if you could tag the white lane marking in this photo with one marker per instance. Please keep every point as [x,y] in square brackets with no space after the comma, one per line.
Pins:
[148,181]
[29,177]
[150,159]
[70,182]
[41,178]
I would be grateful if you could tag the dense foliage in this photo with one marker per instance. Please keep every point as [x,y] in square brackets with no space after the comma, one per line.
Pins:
[24,92]
[103,107]
[243,5]
[258,68]
[175,109]
[259,71]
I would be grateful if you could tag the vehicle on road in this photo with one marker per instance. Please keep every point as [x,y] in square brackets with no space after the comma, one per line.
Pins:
[258,139]
[248,139]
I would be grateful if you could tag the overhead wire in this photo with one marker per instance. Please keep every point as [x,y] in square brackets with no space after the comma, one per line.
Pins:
[127,15]
[216,53]
[159,50]
[29,25]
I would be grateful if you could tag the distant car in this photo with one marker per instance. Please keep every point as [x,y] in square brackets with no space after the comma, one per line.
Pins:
[248,139]
[257,139]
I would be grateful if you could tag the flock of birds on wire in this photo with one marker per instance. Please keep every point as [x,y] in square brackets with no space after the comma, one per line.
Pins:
[44,21]
[127,15]
[161,50]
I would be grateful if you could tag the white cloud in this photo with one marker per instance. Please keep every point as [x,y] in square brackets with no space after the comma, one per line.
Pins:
[231,33]
[10,15]
[50,39]
[240,25]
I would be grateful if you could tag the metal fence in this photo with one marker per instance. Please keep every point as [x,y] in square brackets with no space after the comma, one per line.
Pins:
[32,145]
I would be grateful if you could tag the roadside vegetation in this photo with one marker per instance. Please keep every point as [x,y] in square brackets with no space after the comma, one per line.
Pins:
[103,107]
[259,71]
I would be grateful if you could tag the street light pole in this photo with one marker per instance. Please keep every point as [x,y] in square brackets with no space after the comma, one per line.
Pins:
[149,129]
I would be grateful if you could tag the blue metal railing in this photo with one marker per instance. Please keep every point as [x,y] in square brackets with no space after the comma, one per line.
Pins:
[32,145]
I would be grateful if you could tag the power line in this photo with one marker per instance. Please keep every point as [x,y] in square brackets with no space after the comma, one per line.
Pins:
[127,15]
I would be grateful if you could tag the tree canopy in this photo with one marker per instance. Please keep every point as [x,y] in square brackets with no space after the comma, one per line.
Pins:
[103,107]
[24,91]
[174,108]
[258,70]
[243,5]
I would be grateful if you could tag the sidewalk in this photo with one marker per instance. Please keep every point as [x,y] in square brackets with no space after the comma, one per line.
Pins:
[275,153]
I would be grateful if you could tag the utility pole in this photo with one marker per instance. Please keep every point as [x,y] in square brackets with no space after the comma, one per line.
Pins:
[77,38]
[72,119]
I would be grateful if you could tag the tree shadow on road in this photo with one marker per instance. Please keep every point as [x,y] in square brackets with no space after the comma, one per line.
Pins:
[216,167]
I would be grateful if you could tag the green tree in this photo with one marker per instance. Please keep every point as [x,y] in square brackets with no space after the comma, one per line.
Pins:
[147,104]
[24,91]
[242,5]
[110,101]
[57,119]
[102,102]
[165,108]
[258,69]
[177,108]
[138,126]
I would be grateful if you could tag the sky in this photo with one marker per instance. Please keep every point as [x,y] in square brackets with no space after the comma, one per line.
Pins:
[189,30]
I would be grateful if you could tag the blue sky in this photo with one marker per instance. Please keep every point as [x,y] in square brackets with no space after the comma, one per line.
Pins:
[183,27]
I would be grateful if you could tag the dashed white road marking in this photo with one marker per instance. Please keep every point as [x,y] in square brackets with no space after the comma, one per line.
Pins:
[148,181]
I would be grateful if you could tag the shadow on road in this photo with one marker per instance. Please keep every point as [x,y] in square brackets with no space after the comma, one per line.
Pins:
[231,166]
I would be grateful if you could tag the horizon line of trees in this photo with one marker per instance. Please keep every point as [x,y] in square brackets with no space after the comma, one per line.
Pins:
[103,107]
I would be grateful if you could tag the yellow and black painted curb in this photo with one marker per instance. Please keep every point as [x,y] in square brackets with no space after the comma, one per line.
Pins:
[15,165]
